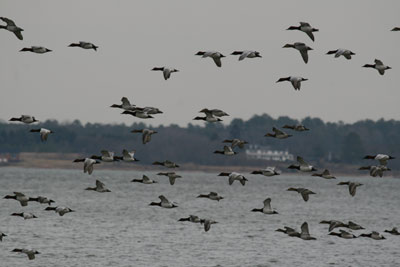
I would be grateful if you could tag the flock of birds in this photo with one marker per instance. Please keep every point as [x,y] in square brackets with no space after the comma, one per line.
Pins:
[211,116]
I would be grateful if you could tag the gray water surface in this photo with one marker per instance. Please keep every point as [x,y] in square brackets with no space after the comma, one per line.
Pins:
[121,229]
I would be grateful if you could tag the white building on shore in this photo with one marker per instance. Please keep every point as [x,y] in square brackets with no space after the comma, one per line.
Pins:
[265,153]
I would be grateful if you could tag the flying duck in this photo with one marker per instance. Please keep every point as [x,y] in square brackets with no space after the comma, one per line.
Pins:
[126,104]
[25,119]
[375,171]
[25,215]
[35,49]
[100,187]
[144,180]
[267,208]
[302,166]
[302,48]
[208,118]
[146,134]
[269,171]
[43,200]
[305,234]
[374,235]
[382,158]
[2,235]
[305,193]
[352,187]
[21,198]
[127,156]
[334,224]
[88,164]
[396,29]
[29,252]
[278,134]
[207,223]
[12,27]
[289,231]
[325,174]
[106,156]
[353,226]
[60,210]
[216,56]
[246,54]
[227,151]
[84,45]
[214,112]
[166,163]
[233,176]
[379,66]
[191,218]
[295,80]
[236,142]
[298,128]
[394,231]
[306,28]
[138,114]
[343,234]
[166,71]
[211,195]
[44,133]
[164,203]
[171,175]
[341,52]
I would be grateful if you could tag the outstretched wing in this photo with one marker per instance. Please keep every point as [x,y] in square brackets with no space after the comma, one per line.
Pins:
[301,161]
[163,199]
[304,55]
[267,204]
[217,61]
[8,21]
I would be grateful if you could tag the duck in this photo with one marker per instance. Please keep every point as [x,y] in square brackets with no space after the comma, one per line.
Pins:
[44,133]
[146,134]
[60,210]
[325,174]
[191,218]
[126,104]
[382,158]
[269,171]
[36,49]
[352,187]
[21,198]
[379,66]
[166,163]
[127,156]
[295,80]
[1,236]
[302,166]
[395,29]
[289,231]
[164,203]
[306,28]
[138,114]
[227,151]
[144,180]
[216,56]
[341,52]
[43,200]
[354,226]
[208,118]
[12,27]
[88,164]
[106,156]
[334,224]
[246,54]
[25,215]
[297,128]
[375,171]
[236,142]
[148,110]
[171,175]
[100,187]
[343,234]
[394,231]
[29,252]
[211,195]
[278,134]
[267,208]
[25,119]
[305,234]
[374,235]
[302,48]
[214,112]
[84,45]
[166,71]
[234,176]
[207,223]
[304,192]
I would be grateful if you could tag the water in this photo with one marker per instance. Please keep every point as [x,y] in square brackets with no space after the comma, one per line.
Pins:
[121,229]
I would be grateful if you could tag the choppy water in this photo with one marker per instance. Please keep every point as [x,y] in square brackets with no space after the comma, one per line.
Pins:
[121,229]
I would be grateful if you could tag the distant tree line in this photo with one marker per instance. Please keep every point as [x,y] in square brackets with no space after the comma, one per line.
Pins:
[334,142]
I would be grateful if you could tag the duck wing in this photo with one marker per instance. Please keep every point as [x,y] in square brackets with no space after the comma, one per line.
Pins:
[304,54]
[217,61]
[267,205]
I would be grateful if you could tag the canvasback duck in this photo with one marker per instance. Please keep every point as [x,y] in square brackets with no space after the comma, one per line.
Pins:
[36,49]
[100,187]
[144,180]
[127,156]
[341,52]
[166,163]
[126,104]
[216,56]
[146,134]
[278,134]
[267,208]
[234,176]
[60,210]
[106,156]
[352,187]
[325,174]
[25,119]
[21,198]
[166,71]
[246,54]
[269,171]
[227,151]
[236,142]
[171,175]
[294,80]
[302,166]
[44,133]
[29,252]
[25,215]
[214,112]
[304,192]
[374,235]
[394,231]
[379,66]
[306,28]
[207,223]
[302,48]
[208,118]
[138,114]
[12,27]
[297,128]
[88,164]
[84,45]
[211,195]
[305,234]
[343,234]
[191,218]
[164,203]
[382,158]
[375,171]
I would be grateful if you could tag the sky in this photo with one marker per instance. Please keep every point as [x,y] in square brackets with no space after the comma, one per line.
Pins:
[135,36]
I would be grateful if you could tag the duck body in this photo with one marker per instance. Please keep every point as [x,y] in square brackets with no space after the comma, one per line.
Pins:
[303,166]
[171,175]
[236,142]
[325,174]
[60,210]
[88,164]
[294,80]
[341,52]
[44,133]
[166,163]
[379,66]
[84,45]
[278,134]
[228,151]
[191,218]
[100,187]
[164,203]
[247,54]
[234,176]
[216,56]
[29,252]
[304,192]
[36,49]
[25,215]
[306,28]
[302,48]
[27,119]
[269,171]
[297,128]
[267,208]
[146,134]
[144,180]
[166,71]
[211,195]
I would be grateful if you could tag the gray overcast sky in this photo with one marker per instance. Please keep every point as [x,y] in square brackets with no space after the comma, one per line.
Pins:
[134,36]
